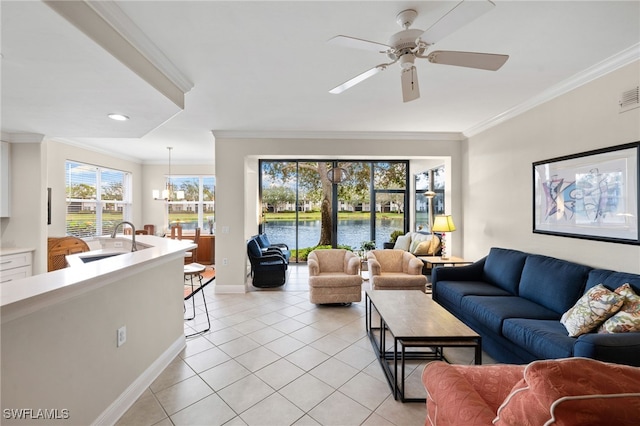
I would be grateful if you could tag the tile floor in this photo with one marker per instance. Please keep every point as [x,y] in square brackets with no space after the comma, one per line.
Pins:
[273,358]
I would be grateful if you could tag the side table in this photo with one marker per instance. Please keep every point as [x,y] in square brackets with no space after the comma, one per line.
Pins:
[434,261]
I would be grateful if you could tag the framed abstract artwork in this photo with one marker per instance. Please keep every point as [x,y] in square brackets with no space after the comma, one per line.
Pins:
[591,195]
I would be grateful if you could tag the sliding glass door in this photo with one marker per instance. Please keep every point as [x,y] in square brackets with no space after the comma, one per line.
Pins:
[332,203]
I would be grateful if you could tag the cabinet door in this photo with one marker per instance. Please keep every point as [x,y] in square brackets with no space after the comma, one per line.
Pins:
[206,249]
[15,274]
[4,180]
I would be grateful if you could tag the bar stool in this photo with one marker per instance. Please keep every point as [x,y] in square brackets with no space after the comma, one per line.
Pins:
[191,288]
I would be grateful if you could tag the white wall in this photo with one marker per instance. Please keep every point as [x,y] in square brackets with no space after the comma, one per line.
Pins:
[498,171]
[27,225]
[237,189]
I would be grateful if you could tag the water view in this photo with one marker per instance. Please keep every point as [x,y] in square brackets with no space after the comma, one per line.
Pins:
[351,232]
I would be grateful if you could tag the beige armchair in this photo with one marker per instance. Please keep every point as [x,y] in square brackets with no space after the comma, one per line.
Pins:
[395,270]
[334,276]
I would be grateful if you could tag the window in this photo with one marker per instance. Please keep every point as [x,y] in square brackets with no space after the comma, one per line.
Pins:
[428,206]
[97,199]
[302,208]
[197,208]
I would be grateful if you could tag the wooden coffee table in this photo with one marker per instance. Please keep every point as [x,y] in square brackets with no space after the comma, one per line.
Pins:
[414,320]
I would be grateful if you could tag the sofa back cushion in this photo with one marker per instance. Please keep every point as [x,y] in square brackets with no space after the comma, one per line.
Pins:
[573,391]
[503,268]
[553,283]
[612,279]
[403,242]
[389,260]
[254,247]
[332,260]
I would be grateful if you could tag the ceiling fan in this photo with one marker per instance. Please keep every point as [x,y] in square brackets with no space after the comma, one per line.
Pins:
[407,45]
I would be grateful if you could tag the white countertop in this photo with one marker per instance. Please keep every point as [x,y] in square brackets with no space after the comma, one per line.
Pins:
[31,293]
[15,250]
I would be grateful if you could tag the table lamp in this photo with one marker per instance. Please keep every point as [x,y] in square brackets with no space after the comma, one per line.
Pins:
[443,224]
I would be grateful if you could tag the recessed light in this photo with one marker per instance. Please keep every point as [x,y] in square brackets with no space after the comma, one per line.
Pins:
[118,117]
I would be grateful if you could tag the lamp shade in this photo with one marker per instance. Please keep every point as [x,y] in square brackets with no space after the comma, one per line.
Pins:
[443,223]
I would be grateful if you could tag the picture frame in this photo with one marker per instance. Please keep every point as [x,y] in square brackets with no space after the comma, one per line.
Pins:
[591,195]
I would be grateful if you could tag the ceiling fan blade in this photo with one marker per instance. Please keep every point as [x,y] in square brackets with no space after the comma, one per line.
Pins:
[410,89]
[357,43]
[357,79]
[484,61]
[462,14]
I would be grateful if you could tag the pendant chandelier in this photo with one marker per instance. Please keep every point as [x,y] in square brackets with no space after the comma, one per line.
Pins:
[168,194]
[337,175]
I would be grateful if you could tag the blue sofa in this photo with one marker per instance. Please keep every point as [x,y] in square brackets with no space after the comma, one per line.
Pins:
[514,300]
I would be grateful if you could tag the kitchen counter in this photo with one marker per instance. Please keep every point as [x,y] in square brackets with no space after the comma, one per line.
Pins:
[60,330]
[27,295]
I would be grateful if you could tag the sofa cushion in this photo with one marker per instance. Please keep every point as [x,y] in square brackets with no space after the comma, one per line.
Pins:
[591,310]
[613,279]
[403,242]
[466,394]
[503,268]
[427,247]
[492,311]
[417,238]
[453,291]
[628,317]
[575,391]
[254,247]
[553,283]
[389,260]
[543,338]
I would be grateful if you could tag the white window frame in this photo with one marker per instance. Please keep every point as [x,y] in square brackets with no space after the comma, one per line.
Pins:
[125,203]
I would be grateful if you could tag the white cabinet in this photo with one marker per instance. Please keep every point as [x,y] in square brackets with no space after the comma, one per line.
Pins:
[4,180]
[15,265]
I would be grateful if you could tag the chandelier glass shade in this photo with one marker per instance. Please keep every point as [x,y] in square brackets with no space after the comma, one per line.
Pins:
[337,175]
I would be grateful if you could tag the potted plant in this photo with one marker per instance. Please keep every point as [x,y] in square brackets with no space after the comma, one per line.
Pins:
[394,236]
[367,245]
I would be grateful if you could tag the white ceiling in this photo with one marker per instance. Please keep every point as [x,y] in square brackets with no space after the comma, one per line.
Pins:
[264,67]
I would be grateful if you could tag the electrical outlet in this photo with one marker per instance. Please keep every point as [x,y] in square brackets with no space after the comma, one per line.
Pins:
[225,261]
[122,335]
[117,243]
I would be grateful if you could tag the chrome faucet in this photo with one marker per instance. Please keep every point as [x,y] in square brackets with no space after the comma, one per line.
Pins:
[133,233]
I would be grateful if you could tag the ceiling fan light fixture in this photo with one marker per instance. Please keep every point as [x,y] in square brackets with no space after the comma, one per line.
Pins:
[407,60]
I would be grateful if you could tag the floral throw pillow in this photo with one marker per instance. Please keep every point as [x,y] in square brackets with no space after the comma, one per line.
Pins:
[591,310]
[628,317]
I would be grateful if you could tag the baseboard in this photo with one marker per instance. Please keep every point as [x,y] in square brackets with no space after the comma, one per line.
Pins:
[127,398]
[231,289]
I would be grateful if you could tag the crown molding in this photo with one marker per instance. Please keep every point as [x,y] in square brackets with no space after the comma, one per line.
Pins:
[600,69]
[422,136]
[22,137]
[97,150]
[111,29]
[114,16]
